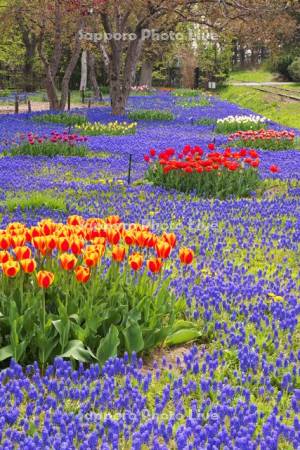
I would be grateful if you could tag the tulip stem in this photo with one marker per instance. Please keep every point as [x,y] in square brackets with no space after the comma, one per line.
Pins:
[43,327]
[22,293]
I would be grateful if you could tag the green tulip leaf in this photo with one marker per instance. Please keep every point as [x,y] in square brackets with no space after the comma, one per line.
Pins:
[6,352]
[182,336]
[76,350]
[108,346]
[133,336]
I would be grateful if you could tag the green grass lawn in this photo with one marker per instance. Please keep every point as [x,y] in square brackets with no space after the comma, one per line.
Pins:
[285,113]
[41,96]
[258,76]
[292,87]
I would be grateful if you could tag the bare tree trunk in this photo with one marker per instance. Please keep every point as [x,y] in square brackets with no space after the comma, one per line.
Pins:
[146,74]
[92,76]
[117,93]
[51,67]
[242,56]
[84,71]
[120,87]
[235,52]
[121,72]
[28,67]
[51,91]
[253,56]
[30,43]
[68,73]
[118,98]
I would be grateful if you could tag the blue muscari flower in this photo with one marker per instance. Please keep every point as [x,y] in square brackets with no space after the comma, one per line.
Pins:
[230,288]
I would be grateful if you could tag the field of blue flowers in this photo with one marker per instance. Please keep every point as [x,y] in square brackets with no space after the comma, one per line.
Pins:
[238,386]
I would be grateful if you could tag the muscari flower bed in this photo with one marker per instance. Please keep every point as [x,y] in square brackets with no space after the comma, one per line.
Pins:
[239,386]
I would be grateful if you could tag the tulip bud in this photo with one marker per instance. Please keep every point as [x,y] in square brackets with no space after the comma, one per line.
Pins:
[91,259]
[186,255]
[163,249]
[45,279]
[118,253]
[11,268]
[68,261]
[154,265]
[82,274]
[136,261]
[28,265]
[22,252]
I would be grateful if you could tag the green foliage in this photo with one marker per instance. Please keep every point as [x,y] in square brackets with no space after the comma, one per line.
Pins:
[294,69]
[186,93]
[257,76]
[61,118]
[215,58]
[49,149]
[280,62]
[150,114]
[4,92]
[206,121]
[203,101]
[35,200]
[232,127]
[12,51]
[215,184]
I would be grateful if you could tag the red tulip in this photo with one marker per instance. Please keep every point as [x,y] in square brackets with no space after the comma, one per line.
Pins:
[45,279]
[136,261]
[68,261]
[22,252]
[154,265]
[118,253]
[163,249]
[82,274]
[11,268]
[5,256]
[186,255]
[28,265]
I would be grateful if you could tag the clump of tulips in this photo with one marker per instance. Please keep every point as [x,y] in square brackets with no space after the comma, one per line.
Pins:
[230,124]
[57,144]
[110,129]
[263,139]
[209,174]
[85,290]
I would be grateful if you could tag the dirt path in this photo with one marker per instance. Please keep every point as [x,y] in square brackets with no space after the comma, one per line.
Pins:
[35,106]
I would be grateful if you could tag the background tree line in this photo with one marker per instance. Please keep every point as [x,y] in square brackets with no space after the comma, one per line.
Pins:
[40,45]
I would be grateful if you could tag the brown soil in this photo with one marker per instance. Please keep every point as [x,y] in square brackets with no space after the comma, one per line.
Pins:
[35,106]
[170,355]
